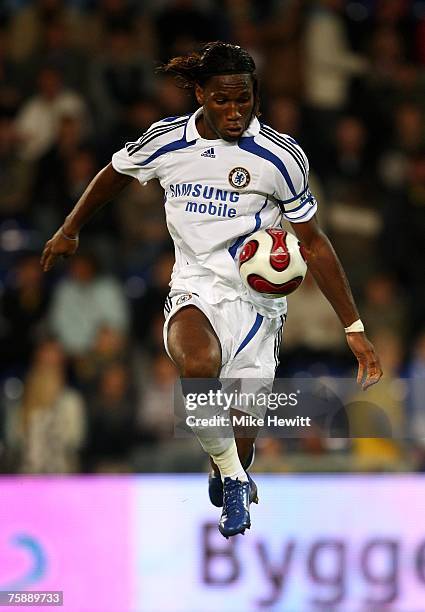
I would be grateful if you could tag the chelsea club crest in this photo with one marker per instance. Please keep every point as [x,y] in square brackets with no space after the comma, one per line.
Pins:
[239,178]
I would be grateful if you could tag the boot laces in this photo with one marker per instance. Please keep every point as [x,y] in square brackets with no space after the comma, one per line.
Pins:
[234,495]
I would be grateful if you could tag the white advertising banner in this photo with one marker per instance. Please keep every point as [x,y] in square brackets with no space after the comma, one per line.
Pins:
[328,543]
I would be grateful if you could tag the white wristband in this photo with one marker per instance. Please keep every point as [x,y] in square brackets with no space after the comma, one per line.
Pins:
[68,237]
[357,326]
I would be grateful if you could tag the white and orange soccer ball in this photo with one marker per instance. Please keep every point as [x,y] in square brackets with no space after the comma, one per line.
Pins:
[272,262]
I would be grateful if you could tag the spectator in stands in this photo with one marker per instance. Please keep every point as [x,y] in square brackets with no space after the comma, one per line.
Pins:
[353,215]
[110,346]
[173,101]
[312,334]
[350,162]
[378,423]
[381,87]
[15,173]
[156,410]
[283,112]
[50,197]
[10,83]
[39,118]
[79,171]
[29,22]
[141,222]
[408,137]
[85,301]
[52,423]
[384,306]
[403,236]
[330,65]
[146,309]
[280,46]
[23,308]
[112,421]
[117,77]
[104,16]
[58,49]
[137,116]
[395,15]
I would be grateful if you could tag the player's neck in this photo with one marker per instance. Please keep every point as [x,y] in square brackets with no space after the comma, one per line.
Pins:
[204,130]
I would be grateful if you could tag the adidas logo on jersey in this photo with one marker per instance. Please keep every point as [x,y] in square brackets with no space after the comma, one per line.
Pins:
[208,153]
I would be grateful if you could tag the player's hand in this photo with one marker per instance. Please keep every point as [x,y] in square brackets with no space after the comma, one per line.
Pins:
[370,370]
[58,246]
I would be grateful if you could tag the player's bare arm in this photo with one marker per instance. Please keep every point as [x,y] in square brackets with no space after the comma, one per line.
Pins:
[327,270]
[106,185]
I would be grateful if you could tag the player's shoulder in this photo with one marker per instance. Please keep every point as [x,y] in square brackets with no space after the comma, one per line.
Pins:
[160,133]
[282,145]
[170,122]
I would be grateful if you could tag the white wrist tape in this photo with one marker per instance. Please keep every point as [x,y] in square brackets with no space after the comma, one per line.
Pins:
[357,326]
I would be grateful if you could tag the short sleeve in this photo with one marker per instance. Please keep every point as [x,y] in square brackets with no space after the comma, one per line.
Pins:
[139,159]
[295,199]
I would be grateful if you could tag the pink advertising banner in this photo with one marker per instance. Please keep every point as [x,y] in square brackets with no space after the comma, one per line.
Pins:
[70,535]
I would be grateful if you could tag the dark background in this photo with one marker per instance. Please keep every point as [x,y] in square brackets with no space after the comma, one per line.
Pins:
[85,384]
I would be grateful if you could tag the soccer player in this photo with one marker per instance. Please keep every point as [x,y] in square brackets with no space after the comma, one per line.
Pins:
[225,175]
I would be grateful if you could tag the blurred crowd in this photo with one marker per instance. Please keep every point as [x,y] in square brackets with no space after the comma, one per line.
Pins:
[85,383]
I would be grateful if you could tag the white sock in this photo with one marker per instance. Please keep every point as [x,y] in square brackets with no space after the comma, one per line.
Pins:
[229,465]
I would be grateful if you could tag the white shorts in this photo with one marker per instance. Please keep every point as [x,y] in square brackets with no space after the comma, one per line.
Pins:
[250,342]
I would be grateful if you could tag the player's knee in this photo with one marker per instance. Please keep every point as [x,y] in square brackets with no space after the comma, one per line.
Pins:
[204,364]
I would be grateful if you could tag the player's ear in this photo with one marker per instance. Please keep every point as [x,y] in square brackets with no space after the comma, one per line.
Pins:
[199,93]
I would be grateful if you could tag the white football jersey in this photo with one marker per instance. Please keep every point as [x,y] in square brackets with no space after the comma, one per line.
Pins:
[217,193]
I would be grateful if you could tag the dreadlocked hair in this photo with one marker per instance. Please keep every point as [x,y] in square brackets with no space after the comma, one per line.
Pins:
[214,58]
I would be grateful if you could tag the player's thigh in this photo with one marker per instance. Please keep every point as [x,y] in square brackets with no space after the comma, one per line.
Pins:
[193,344]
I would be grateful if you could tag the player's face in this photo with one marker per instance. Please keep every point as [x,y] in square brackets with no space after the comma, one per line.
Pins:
[228,102]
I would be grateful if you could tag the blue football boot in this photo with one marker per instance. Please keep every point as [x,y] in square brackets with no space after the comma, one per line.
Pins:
[215,489]
[215,484]
[235,515]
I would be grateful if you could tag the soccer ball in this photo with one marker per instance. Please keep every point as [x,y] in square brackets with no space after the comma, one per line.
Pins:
[272,263]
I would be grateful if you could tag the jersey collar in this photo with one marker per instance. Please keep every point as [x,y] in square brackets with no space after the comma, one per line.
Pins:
[192,133]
